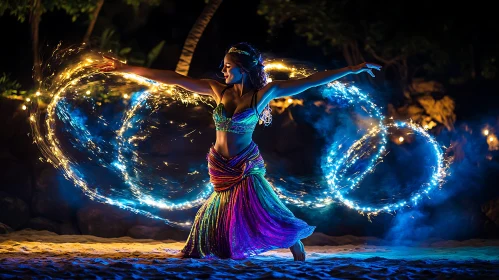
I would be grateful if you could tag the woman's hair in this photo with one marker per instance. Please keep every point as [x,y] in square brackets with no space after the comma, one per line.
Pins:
[250,60]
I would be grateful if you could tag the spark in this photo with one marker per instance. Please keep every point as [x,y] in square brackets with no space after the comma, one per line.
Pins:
[125,155]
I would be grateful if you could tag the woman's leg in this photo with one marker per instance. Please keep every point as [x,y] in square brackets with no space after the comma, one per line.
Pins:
[298,251]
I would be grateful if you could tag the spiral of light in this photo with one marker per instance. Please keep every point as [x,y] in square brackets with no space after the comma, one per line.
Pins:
[117,156]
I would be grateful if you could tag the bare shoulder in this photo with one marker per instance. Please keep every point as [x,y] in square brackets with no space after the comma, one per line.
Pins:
[266,94]
[217,88]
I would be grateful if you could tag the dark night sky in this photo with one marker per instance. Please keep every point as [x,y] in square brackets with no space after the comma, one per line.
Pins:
[233,22]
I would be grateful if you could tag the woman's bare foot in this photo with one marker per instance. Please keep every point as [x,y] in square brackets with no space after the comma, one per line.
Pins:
[298,251]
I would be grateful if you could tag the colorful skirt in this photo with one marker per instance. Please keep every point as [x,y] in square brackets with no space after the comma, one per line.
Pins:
[243,216]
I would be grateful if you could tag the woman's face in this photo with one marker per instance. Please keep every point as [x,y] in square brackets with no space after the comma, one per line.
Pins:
[233,74]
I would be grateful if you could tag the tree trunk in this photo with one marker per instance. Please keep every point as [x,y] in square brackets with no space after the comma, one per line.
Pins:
[194,36]
[359,58]
[35,17]
[350,56]
[93,19]
[347,55]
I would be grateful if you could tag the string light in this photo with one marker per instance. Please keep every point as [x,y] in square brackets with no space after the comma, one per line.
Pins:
[336,164]
[58,110]
[436,179]
[334,167]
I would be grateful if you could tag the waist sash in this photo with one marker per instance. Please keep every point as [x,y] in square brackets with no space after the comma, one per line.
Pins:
[226,173]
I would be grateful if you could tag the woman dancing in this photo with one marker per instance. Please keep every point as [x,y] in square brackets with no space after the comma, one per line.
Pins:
[243,216]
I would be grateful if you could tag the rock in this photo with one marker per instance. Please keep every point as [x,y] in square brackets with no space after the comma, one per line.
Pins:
[422,86]
[157,233]
[14,212]
[143,232]
[46,181]
[52,182]
[69,229]
[172,233]
[4,229]
[16,177]
[51,205]
[56,197]
[491,210]
[17,134]
[41,223]
[104,220]
[151,222]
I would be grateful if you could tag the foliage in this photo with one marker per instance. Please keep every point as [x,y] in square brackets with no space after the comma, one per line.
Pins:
[427,105]
[393,33]
[18,8]
[21,8]
[10,87]
[75,8]
[154,53]
[136,3]
[110,41]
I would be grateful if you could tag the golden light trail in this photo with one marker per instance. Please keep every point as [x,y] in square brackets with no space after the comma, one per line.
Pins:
[80,76]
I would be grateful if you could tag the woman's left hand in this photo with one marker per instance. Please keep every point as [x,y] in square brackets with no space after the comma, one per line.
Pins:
[365,67]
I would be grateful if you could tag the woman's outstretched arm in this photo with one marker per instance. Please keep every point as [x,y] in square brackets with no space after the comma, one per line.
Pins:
[200,86]
[278,89]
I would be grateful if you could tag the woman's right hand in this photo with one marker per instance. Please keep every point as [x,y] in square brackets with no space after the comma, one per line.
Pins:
[112,64]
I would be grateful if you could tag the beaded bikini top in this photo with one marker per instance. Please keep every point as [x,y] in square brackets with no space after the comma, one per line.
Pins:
[241,122]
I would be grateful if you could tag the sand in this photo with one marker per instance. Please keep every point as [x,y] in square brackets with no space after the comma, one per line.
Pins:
[29,254]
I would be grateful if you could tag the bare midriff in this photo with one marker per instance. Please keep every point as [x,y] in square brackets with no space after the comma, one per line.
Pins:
[229,144]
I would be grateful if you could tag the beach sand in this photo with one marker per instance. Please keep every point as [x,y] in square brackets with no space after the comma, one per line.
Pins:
[29,254]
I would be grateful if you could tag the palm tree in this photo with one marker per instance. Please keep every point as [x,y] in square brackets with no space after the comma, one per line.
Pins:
[35,17]
[93,19]
[194,36]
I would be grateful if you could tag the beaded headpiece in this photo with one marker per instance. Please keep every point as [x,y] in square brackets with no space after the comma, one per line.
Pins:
[233,49]
[236,50]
